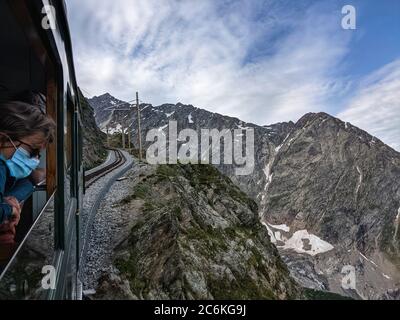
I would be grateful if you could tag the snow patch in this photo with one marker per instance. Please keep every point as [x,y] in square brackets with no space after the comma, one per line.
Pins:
[117,129]
[369,260]
[322,122]
[360,178]
[268,175]
[290,141]
[169,114]
[304,242]
[278,237]
[301,241]
[282,227]
[190,118]
[396,227]
[281,145]
[270,232]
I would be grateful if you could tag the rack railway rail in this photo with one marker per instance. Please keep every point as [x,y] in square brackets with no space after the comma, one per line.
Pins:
[93,176]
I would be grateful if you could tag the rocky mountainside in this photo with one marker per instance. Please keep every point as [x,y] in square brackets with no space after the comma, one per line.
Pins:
[104,107]
[188,116]
[333,181]
[328,195]
[193,235]
[94,151]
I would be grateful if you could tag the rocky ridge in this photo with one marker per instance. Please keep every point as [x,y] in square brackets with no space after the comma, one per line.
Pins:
[193,235]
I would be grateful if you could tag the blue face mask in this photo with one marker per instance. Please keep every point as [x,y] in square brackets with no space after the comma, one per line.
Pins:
[21,164]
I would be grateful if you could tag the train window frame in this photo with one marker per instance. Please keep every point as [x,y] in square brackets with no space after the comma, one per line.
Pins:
[68,138]
[48,63]
[71,171]
[54,49]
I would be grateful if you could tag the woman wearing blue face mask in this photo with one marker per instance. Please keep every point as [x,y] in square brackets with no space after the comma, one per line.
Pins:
[24,132]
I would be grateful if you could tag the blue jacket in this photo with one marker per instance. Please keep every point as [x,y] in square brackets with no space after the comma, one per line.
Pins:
[9,186]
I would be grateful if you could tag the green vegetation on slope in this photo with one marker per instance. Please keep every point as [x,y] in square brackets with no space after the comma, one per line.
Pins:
[198,237]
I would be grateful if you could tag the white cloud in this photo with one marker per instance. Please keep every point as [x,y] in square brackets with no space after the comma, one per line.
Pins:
[197,52]
[375,106]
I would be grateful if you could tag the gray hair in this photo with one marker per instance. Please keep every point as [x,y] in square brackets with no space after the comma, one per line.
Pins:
[19,120]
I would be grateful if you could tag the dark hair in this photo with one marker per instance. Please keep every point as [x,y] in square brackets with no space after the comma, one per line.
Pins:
[19,119]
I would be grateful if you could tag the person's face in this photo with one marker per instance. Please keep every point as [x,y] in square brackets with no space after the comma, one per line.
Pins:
[33,144]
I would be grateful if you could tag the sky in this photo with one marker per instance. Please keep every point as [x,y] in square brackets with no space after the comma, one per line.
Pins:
[261,61]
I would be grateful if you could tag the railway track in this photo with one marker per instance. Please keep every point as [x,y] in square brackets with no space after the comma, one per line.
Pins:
[95,175]
[98,182]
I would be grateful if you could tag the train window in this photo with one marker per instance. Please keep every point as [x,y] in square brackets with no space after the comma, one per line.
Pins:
[70,172]
[68,115]
[68,133]
[25,77]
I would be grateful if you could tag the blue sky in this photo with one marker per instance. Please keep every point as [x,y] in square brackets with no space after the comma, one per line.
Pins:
[261,61]
[378,43]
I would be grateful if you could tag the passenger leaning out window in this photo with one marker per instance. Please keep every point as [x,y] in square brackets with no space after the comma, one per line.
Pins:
[25,130]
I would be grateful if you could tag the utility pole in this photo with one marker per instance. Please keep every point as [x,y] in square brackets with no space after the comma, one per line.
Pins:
[123,136]
[139,129]
[129,137]
[108,138]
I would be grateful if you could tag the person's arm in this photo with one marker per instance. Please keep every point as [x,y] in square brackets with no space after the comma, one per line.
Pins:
[6,210]
[38,176]
[21,191]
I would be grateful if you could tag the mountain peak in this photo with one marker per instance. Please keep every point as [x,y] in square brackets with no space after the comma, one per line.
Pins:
[329,124]
[311,116]
[105,95]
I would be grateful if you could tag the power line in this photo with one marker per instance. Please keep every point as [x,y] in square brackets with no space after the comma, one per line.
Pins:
[87,92]
[113,107]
